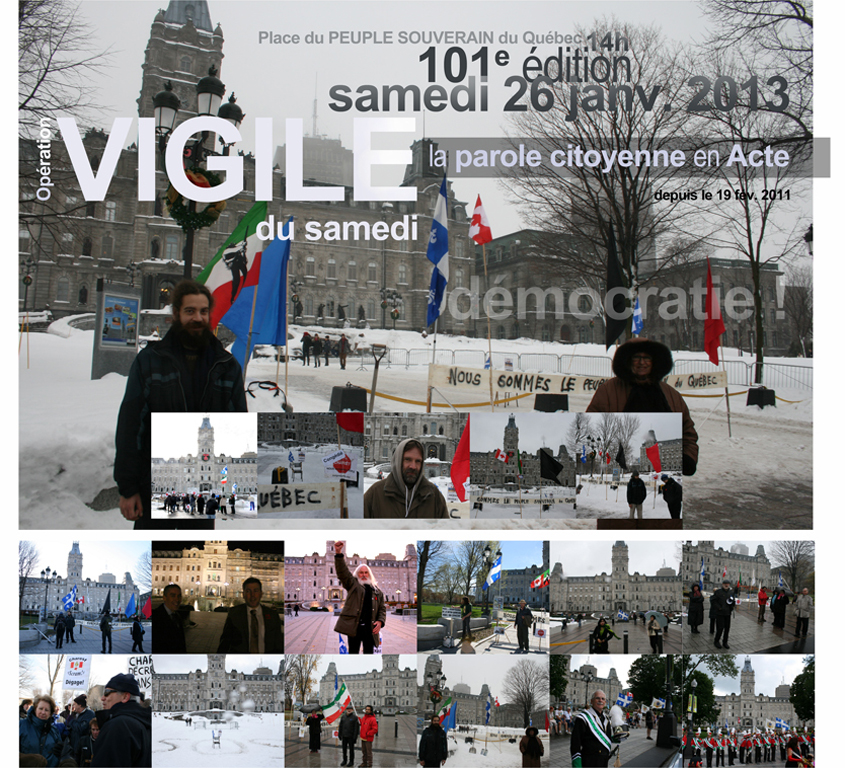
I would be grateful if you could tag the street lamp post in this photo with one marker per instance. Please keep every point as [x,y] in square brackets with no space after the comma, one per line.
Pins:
[385,209]
[28,268]
[588,678]
[48,580]
[166,104]
[393,299]
[436,682]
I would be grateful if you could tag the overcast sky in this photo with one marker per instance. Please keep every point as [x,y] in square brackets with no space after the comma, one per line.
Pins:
[588,558]
[175,434]
[548,430]
[279,81]
[475,671]
[604,663]
[98,557]
[769,672]
[190,662]
[357,664]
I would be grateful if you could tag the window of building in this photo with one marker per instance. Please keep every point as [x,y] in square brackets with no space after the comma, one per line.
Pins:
[62,289]
[171,247]
[403,273]
[331,269]
[372,274]
[310,268]
[352,271]
[185,64]
[111,210]
[371,309]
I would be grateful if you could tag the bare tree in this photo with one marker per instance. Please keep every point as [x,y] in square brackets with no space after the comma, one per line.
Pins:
[447,581]
[577,208]
[429,553]
[796,560]
[798,306]
[144,571]
[26,674]
[469,556]
[527,686]
[627,427]
[27,560]
[301,671]
[579,432]
[55,667]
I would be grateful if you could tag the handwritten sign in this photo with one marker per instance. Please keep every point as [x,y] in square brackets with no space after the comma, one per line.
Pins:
[142,668]
[452,377]
[340,464]
[524,502]
[299,498]
[77,669]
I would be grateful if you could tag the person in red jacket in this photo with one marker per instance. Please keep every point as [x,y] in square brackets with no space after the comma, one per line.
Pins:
[369,730]
[762,602]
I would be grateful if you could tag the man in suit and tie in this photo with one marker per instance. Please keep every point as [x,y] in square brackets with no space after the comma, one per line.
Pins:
[167,623]
[252,627]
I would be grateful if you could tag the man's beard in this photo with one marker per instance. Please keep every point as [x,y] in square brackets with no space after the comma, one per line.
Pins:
[367,583]
[190,337]
[410,476]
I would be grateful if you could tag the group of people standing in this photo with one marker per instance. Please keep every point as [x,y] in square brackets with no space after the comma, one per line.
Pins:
[118,735]
[197,504]
[325,347]
[350,728]
[746,748]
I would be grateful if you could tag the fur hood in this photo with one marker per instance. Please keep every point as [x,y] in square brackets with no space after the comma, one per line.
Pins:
[661,356]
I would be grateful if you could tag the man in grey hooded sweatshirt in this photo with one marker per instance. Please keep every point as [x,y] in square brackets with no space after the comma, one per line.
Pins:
[405,492]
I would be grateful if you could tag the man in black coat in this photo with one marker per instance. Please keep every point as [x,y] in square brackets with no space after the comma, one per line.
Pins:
[137,635]
[252,627]
[524,620]
[105,631]
[167,624]
[348,728]
[125,727]
[70,623]
[673,495]
[434,748]
[722,601]
[636,495]
[187,371]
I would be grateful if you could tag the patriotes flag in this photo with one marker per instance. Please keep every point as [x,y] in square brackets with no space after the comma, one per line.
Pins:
[438,255]
[460,465]
[550,467]
[714,327]
[147,610]
[501,456]
[341,701]
[234,265]
[269,322]
[653,453]
[351,422]
[614,327]
[444,709]
[479,227]
[620,457]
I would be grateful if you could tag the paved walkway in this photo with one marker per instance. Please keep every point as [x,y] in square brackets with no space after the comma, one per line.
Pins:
[576,640]
[505,642]
[88,640]
[203,630]
[313,632]
[389,751]
[635,749]
[749,636]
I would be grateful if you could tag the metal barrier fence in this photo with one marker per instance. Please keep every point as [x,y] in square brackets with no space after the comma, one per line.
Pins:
[740,372]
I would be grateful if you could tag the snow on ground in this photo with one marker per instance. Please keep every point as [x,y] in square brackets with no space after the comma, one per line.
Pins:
[67,426]
[253,739]
[502,747]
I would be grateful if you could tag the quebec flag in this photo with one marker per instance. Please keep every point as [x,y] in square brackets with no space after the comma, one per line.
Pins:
[69,599]
[438,254]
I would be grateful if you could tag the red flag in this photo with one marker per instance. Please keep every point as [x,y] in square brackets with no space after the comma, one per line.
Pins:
[460,465]
[713,325]
[607,456]
[147,610]
[653,453]
[479,227]
[547,720]
[351,422]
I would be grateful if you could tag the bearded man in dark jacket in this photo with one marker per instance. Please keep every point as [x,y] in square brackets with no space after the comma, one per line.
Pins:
[188,370]
[364,611]
[434,748]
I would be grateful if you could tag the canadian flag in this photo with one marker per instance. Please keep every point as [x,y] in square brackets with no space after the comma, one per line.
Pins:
[479,226]
[501,456]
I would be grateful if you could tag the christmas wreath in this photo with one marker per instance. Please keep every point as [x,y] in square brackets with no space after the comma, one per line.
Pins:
[181,213]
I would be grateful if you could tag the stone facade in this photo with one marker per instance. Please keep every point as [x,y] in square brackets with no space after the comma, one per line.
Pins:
[311,580]
[217,570]
[438,432]
[719,561]
[93,593]
[584,681]
[388,691]
[215,688]
[671,456]
[296,429]
[748,709]
[619,590]
[203,473]
[487,470]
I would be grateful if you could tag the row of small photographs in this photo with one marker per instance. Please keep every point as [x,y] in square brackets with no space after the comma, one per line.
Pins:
[472,597]
[571,470]
[401,710]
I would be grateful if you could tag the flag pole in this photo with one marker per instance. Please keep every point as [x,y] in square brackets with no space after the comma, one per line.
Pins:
[489,342]
[249,336]
[727,396]
[433,354]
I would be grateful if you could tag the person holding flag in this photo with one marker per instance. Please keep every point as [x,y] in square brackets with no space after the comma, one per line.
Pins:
[639,367]
[188,370]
